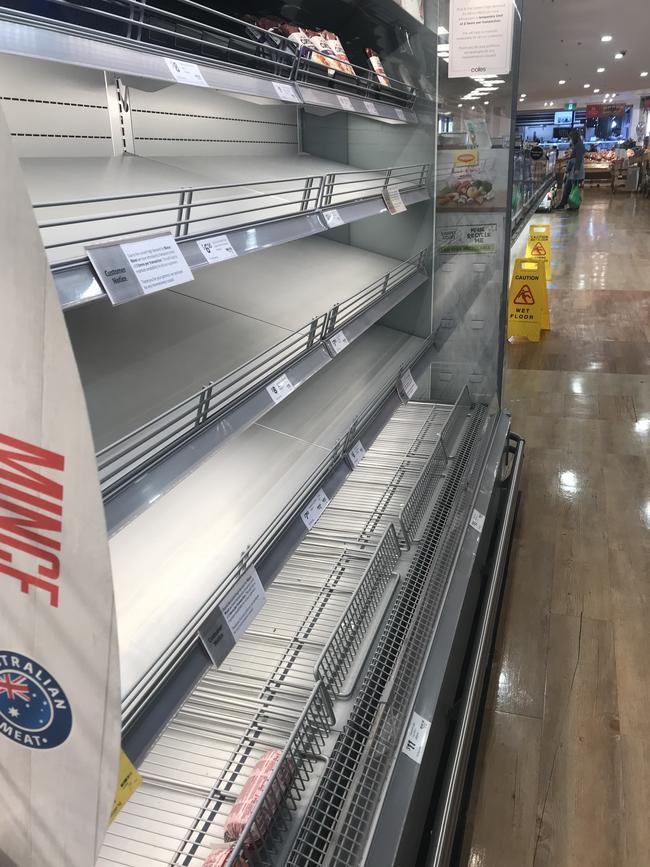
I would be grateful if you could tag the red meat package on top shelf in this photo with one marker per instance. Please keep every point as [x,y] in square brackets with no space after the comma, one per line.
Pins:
[247,802]
[219,858]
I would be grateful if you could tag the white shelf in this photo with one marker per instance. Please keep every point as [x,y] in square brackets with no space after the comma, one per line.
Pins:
[139,360]
[206,520]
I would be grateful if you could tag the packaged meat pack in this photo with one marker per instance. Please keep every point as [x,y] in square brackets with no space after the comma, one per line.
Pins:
[375,62]
[219,857]
[247,801]
[325,54]
[339,52]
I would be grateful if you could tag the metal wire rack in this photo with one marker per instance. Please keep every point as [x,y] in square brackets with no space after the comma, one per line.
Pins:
[266,695]
[68,226]
[122,461]
[337,824]
[202,33]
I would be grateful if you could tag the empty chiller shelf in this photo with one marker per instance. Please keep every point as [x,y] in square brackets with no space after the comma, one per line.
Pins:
[195,771]
[207,519]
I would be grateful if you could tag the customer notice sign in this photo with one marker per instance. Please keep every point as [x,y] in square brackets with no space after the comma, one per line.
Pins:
[480,37]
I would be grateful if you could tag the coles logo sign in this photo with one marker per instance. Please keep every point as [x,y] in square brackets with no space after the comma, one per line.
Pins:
[34,710]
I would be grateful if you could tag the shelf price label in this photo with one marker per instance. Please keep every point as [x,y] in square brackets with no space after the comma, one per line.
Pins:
[477,520]
[345,102]
[416,737]
[408,383]
[286,92]
[356,453]
[333,218]
[315,509]
[371,108]
[393,200]
[400,114]
[136,268]
[217,249]
[186,73]
[338,342]
[281,388]
[223,628]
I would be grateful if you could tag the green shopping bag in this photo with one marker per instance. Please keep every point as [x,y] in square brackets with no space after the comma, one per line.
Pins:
[575,197]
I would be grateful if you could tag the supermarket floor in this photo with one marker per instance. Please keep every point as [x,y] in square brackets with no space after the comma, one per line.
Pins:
[563,768]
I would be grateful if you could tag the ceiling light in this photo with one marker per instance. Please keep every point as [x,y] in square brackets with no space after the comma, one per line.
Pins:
[523,96]
[546,103]
[486,102]
[618,55]
[596,90]
[521,99]
[613,94]
[562,81]
[551,102]
[473,108]
[442,31]
[586,85]
[605,38]
[600,69]
[643,74]
[606,95]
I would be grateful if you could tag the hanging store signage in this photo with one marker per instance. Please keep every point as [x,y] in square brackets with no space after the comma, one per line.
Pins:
[480,37]
[536,153]
[223,628]
[135,268]
[613,109]
[570,106]
[59,676]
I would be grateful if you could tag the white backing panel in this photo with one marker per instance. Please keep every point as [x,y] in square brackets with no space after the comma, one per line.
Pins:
[192,121]
[53,109]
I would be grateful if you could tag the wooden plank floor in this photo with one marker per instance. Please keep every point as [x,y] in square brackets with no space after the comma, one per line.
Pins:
[563,770]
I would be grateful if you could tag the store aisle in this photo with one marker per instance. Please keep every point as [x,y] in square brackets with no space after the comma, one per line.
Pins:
[563,771]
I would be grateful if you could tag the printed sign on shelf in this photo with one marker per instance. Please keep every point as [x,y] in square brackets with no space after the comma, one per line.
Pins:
[356,453]
[217,249]
[286,91]
[371,108]
[317,505]
[338,342]
[480,37]
[527,300]
[393,201]
[186,73]
[223,628]
[477,520]
[480,238]
[136,268]
[409,385]
[400,114]
[59,670]
[416,737]
[128,781]
[281,388]
[333,218]
[345,102]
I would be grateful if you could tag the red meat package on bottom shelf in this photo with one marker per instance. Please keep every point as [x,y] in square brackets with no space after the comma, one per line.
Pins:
[249,796]
[219,858]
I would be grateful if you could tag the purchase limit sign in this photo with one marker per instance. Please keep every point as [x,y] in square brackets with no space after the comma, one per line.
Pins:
[131,269]
[480,37]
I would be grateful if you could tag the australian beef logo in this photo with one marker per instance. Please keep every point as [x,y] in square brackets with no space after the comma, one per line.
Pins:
[31,516]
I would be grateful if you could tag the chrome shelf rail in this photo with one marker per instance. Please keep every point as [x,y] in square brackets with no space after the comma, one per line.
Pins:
[265,695]
[248,57]
[197,212]
[120,462]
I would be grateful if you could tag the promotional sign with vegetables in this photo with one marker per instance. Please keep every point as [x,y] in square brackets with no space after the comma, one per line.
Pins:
[471,179]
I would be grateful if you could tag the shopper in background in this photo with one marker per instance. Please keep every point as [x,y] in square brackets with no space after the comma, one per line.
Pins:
[575,169]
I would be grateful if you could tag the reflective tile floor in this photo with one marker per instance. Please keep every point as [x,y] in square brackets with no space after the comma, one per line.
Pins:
[563,767]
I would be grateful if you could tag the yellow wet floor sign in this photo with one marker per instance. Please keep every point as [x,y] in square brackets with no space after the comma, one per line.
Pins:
[539,245]
[528,300]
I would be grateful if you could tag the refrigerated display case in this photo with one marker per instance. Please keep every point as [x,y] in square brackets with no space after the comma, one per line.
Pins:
[309,482]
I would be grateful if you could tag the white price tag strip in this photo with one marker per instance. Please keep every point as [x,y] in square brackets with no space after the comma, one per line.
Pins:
[315,509]
[400,114]
[356,453]
[371,108]
[217,249]
[409,385]
[333,218]
[345,103]
[338,342]
[286,92]
[157,263]
[281,388]
[186,73]
[243,603]
[393,201]
[477,520]
[416,738]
